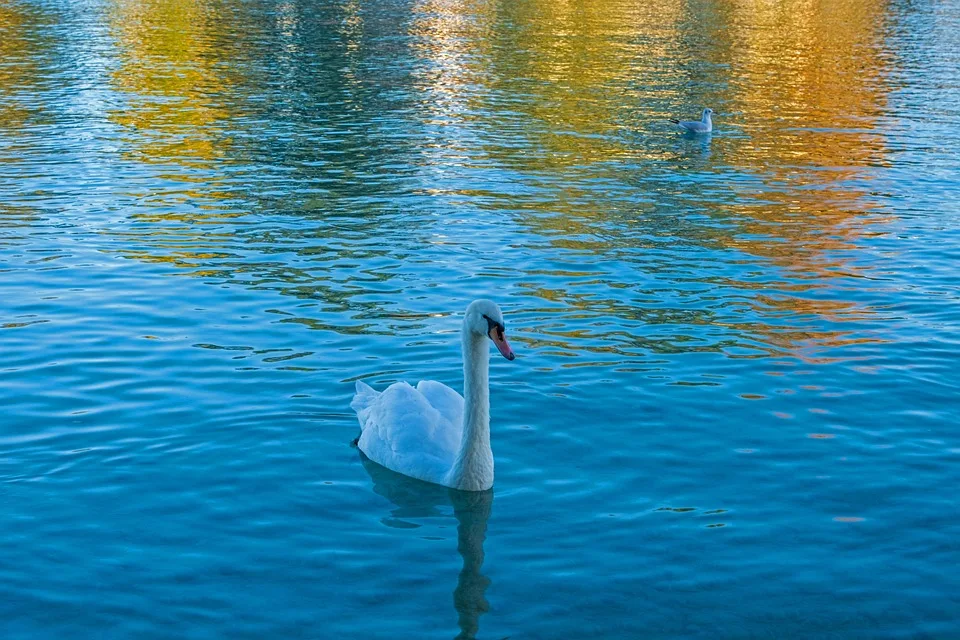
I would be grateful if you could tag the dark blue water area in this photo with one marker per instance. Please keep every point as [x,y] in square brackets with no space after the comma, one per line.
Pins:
[734,409]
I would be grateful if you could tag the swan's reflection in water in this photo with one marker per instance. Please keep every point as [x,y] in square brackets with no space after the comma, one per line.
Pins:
[417,499]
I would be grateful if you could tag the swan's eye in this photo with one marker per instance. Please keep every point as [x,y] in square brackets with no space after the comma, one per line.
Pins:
[491,323]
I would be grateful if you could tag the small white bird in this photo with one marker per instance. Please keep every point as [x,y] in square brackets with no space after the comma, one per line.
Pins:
[704,125]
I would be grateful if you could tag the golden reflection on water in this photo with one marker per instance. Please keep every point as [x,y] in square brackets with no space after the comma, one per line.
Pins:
[567,94]
[576,72]
[167,68]
[22,49]
[804,79]
[173,69]
[809,81]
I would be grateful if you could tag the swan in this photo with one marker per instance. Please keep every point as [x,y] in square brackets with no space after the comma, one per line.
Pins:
[431,432]
[704,125]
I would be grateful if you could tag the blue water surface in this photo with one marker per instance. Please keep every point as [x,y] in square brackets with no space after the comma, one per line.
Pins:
[735,404]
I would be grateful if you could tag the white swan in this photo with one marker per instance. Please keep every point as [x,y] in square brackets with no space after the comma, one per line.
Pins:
[430,432]
[703,125]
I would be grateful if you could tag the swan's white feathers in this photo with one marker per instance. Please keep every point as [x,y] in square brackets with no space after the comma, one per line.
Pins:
[445,400]
[364,397]
[414,431]
[431,432]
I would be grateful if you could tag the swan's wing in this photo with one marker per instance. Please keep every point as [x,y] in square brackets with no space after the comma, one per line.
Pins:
[444,399]
[449,404]
[402,431]
[364,398]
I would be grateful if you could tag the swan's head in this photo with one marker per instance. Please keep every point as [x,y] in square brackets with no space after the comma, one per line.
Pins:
[484,318]
[707,112]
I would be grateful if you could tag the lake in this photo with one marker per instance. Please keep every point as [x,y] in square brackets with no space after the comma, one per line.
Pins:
[734,408]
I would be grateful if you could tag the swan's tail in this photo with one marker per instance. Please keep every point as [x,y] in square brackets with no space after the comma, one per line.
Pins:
[674,121]
[362,400]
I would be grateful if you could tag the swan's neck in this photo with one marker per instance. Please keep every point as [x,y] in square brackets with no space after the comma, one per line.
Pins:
[706,119]
[473,468]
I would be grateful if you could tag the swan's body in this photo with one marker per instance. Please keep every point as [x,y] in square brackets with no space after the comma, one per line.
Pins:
[703,125]
[430,431]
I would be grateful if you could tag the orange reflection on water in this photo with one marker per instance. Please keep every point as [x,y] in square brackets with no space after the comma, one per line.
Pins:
[804,80]
[810,85]
[566,94]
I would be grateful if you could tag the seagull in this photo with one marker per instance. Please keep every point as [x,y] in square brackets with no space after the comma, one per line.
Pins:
[704,125]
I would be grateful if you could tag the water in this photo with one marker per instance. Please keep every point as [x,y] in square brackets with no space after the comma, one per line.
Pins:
[734,408]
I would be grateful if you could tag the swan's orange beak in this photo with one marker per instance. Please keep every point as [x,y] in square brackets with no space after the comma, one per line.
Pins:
[496,334]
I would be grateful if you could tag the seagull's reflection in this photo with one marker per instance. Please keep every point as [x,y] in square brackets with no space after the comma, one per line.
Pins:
[418,499]
[695,144]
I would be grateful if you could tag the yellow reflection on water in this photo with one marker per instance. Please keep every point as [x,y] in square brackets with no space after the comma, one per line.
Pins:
[803,80]
[585,61]
[167,68]
[552,90]
[20,72]
[810,85]
[173,69]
